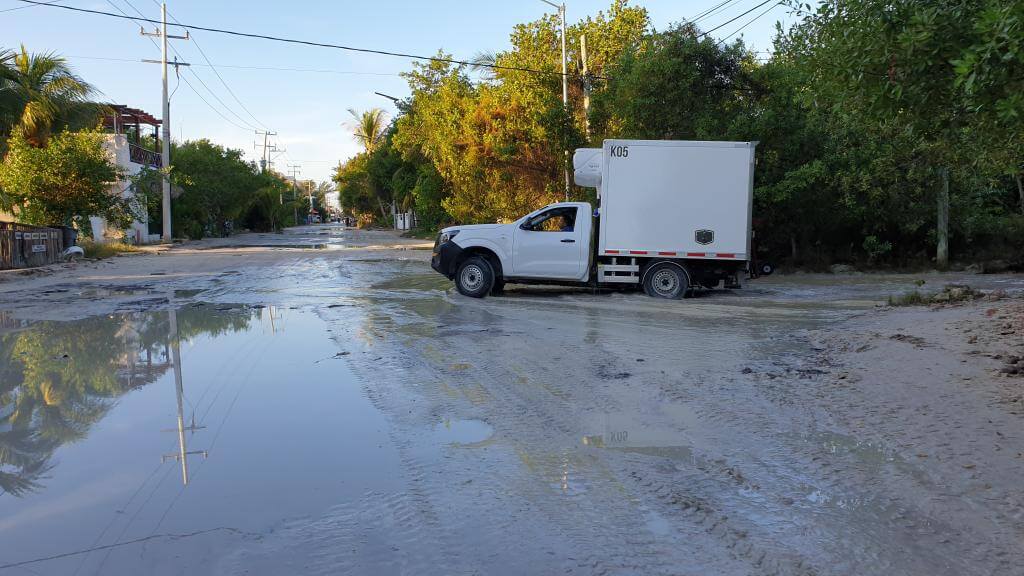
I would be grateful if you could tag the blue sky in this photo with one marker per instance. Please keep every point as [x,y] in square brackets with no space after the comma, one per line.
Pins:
[307,109]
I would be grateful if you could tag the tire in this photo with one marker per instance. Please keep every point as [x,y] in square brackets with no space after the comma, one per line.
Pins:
[498,288]
[475,277]
[666,280]
[766,268]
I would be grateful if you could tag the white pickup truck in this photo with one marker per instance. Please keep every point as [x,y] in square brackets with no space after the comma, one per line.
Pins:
[673,216]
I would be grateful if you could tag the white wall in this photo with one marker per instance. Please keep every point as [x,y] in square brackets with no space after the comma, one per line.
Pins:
[138,233]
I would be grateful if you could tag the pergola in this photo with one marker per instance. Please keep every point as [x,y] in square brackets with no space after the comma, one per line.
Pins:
[127,116]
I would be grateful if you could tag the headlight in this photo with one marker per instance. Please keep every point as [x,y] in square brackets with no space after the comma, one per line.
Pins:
[446,236]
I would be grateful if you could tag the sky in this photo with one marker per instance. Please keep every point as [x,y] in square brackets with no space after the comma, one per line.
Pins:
[302,93]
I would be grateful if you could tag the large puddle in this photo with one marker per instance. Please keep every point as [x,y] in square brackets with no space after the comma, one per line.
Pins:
[125,434]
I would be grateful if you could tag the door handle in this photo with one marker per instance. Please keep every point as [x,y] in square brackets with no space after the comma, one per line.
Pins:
[567,240]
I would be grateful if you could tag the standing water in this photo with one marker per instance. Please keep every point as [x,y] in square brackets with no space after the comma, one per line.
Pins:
[148,442]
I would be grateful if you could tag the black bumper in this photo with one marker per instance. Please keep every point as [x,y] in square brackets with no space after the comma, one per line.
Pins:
[446,257]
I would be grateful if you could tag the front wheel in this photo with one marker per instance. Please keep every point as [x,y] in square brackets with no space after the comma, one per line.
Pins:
[766,268]
[666,280]
[475,277]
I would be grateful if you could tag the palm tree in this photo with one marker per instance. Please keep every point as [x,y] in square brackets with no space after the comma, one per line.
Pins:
[8,95]
[369,127]
[40,92]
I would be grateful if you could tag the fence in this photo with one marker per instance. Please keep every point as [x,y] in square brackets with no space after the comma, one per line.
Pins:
[24,246]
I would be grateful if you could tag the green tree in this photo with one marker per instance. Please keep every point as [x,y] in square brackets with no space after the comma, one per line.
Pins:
[40,94]
[675,85]
[215,188]
[368,127]
[64,182]
[923,66]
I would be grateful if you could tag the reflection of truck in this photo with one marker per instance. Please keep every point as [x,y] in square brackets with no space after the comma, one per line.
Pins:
[673,216]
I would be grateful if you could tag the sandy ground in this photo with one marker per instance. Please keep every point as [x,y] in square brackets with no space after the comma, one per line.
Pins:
[794,427]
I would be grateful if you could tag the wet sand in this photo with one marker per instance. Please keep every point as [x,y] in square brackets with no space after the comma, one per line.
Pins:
[382,424]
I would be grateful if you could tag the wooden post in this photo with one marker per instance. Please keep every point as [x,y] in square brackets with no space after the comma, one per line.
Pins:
[942,223]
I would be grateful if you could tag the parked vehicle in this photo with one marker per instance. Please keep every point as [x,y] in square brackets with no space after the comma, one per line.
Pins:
[673,216]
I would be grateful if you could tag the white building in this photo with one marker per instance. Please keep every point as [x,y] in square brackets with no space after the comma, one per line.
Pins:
[130,150]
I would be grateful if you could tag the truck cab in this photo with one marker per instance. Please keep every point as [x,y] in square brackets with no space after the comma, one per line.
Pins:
[552,244]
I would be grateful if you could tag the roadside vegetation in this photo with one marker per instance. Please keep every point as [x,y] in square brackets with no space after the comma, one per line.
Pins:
[55,170]
[874,118]
[950,294]
[102,250]
[890,133]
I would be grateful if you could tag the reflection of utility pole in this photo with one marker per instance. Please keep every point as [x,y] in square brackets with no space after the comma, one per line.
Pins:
[183,452]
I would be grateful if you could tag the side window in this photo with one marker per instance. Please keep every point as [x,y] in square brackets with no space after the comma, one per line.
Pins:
[554,220]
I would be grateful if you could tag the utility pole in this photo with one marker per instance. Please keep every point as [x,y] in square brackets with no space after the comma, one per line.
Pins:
[565,87]
[942,224]
[295,170]
[586,85]
[266,146]
[165,154]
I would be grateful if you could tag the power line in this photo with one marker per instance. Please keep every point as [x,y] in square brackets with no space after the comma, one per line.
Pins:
[317,44]
[711,11]
[244,67]
[177,72]
[214,68]
[23,7]
[731,20]
[212,107]
[737,31]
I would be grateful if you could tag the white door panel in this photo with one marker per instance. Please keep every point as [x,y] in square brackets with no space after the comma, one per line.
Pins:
[549,253]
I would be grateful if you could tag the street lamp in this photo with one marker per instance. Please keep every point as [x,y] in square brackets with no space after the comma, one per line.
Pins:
[565,85]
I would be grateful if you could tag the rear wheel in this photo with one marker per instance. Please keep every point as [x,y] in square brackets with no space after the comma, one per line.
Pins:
[475,277]
[766,268]
[666,280]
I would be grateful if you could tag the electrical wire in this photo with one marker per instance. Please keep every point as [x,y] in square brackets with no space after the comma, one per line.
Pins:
[244,67]
[718,8]
[178,74]
[319,44]
[195,42]
[731,20]
[23,7]
[758,17]
[212,107]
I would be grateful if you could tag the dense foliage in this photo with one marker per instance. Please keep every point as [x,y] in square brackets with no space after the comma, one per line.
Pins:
[868,113]
[215,191]
[63,182]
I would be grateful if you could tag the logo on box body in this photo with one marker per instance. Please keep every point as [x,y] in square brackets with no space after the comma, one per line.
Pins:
[704,236]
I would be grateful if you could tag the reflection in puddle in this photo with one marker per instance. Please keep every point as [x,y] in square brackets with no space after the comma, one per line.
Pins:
[119,428]
[462,431]
[57,380]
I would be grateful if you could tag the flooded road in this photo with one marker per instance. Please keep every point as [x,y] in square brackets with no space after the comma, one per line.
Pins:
[343,411]
[267,425]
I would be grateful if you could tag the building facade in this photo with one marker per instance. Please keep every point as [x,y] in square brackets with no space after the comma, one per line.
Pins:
[132,140]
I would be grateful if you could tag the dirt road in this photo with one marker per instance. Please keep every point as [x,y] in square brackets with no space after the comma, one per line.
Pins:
[793,427]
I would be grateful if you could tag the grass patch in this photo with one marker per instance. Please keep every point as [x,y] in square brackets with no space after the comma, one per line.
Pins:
[421,233]
[950,294]
[100,250]
[912,298]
